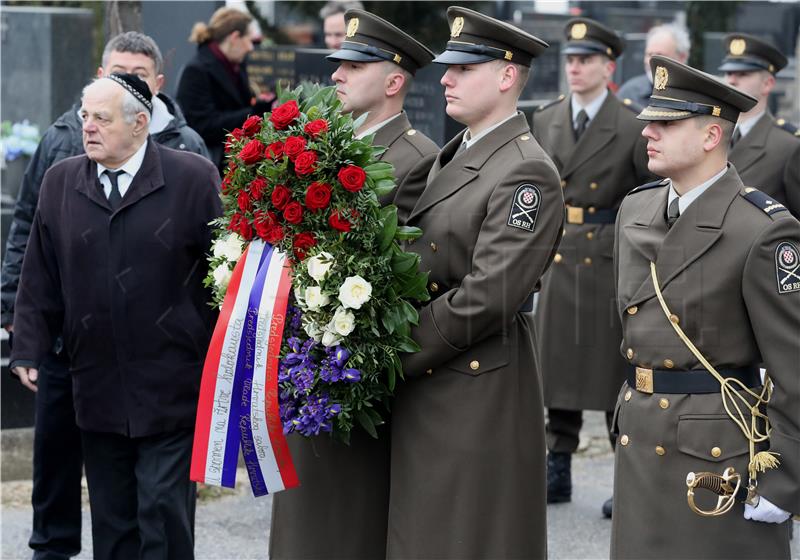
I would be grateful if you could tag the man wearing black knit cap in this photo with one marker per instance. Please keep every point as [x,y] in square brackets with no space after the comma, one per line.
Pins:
[115,262]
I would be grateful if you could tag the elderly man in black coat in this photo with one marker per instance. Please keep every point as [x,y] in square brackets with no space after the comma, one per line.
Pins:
[115,262]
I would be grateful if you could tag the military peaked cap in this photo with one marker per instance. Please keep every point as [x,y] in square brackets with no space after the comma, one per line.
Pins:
[373,39]
[586,36]
[476,38]
[682,92]
[745,53]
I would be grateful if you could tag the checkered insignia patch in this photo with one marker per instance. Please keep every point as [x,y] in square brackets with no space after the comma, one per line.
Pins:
[525,207]
[787,267]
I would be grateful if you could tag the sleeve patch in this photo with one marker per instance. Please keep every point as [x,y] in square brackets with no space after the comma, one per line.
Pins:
[525,207]
[787,267]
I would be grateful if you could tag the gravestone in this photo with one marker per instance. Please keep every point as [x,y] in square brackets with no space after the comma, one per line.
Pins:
[46,60]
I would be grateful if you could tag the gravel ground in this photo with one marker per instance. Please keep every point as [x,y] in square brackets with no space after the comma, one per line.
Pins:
[234,525]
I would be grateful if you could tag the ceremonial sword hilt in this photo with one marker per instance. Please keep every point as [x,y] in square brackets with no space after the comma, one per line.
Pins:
[727,486]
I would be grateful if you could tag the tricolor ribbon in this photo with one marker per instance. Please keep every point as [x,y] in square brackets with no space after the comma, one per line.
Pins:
[238,405]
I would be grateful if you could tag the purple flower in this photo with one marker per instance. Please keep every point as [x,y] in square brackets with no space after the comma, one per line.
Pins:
[352,375]
[340,356]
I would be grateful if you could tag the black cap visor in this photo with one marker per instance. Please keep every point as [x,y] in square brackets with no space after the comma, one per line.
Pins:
[743,65]
[461,57]
[352,56]
[585,47]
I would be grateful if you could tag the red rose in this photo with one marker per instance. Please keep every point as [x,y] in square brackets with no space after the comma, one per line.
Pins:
[237,133]
[305,163]
[314,128]
[243,200]
[240,225]
[226,184]
[338,222]
[352,178]
[252,125]
[257,187]
[284,115]
[318,196]
[302,243]
[280,197]
[267,227]
[253,152]
[275,150]
[293,212]
[294,146]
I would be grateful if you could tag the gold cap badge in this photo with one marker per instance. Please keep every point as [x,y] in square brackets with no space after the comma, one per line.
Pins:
[660,79]
[737,47]
[578,31]
[352,27]
[458,25]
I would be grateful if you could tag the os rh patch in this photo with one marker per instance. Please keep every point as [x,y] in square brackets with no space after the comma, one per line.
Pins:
[787,267]
[525,207]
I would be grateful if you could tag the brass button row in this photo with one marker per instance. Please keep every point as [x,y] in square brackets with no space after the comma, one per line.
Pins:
[434,287]
[624,439]
[633,310]
[660,450]
[663,403]
[558,258]
[716,452]
[474,365]
[429,371]
[434,247]
[589,235]
[629,353]
[669,364]
[593,186]
[628,395]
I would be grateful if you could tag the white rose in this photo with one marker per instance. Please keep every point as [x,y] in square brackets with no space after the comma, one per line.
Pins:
[343,322]
[315,298]
[319,265]
[313,330]
[355,292]
[230,247]
[222,275]
[330,339]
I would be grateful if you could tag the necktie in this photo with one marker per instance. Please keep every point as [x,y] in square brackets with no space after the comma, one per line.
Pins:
[737,135]
[114,197]
[580,127]
[673,212]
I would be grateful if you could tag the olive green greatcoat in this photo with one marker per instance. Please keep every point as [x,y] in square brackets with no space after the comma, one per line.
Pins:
[340,509]
[468,469]
[768,158]
[576,317]
[717,271]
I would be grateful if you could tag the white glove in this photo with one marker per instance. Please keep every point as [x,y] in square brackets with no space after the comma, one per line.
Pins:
[765,511]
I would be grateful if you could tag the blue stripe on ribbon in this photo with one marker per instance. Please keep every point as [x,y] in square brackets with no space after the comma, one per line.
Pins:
[240,397]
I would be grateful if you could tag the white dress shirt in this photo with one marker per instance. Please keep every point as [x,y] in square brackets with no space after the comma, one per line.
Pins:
[376,127]
[591,109]
[745,127]
[130,167]
[685,200]
[469,139]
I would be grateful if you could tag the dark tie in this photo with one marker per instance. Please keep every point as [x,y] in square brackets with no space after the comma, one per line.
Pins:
[580,127]
[673,212]
[114,197]
[737,135]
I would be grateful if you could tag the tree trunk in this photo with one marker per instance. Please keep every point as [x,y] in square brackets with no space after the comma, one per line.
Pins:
[122,16]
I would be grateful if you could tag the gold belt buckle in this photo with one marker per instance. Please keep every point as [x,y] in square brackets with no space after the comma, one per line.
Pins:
[644,380]
[574,215]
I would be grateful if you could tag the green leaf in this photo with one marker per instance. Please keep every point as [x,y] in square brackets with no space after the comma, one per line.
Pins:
[406,344]
[410,312]
[389,214]
[366,423]
[403,262]
[406,233]
[391,375]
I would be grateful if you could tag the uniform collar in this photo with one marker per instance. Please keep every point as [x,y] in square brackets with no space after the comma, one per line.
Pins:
[691,196]
[375,128]
[469,139]
[591,109]
[747,126]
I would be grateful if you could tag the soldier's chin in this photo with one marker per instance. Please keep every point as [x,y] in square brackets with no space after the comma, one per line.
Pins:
[453,112]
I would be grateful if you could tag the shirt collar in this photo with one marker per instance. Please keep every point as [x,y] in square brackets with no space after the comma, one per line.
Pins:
[591,109]
[161,116]
[748,125]
[131,167]
[685,200]
[469,139]
[376,127]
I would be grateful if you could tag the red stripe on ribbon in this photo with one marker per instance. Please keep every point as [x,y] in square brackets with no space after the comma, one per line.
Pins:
[208,383]
[279,445]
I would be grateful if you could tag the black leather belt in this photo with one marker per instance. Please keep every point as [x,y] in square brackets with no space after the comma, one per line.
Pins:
[647,380]
[591,215]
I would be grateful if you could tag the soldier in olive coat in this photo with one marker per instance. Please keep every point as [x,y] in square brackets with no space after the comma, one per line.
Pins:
[765,151]
[340,509]
[599,160]
[726,260]
[467,424]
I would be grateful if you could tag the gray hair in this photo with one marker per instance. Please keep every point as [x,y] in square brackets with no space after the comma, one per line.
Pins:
[679,34]
[333,8]
[136,43]
[130,105]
